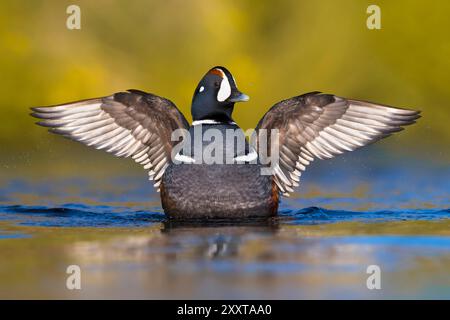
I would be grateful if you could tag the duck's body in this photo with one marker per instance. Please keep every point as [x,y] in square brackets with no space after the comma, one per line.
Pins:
[232,181]
[218,191]
[199,190]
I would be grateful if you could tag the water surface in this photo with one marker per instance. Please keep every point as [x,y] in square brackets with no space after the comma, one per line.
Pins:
[340,222]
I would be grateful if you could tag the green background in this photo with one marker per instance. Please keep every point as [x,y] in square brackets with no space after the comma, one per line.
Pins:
[62,203]
[274,49]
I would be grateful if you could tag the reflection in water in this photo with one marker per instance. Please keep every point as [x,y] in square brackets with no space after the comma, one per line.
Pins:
[218,238]
[258,261]
[180,260]
[319,246]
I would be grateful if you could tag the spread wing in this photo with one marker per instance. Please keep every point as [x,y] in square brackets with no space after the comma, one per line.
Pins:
[127,124]
[316,125]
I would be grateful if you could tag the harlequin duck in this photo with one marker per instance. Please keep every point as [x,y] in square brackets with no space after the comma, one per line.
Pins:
[141,125]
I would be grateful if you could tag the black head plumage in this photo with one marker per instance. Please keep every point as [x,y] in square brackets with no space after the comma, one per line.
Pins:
[215,96]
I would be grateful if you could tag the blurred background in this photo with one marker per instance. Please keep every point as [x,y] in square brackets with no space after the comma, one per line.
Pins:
[275,51]
[62,203]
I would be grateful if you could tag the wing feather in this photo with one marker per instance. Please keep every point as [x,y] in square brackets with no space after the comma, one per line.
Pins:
[127,124]
[322,126]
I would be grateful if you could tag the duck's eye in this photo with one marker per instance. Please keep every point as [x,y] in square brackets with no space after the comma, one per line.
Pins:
[202,88]
[216,84]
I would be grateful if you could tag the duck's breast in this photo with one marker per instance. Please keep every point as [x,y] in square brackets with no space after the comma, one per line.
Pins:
[217,191]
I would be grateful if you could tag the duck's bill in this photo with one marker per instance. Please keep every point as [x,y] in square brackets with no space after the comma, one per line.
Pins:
[239,97]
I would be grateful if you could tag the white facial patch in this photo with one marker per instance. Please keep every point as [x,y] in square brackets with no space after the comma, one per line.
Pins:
[202,88]
[225,89]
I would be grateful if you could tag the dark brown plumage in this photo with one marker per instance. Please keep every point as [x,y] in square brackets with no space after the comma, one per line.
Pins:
[316,125]
[222,191]
[139,125]
[128,124]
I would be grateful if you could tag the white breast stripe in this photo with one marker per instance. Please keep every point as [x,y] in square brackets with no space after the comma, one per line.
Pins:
[184,158]
[253,155]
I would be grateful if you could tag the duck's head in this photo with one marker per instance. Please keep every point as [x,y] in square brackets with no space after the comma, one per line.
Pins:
[215,96]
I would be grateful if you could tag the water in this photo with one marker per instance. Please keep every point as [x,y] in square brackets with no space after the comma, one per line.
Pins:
[348,214]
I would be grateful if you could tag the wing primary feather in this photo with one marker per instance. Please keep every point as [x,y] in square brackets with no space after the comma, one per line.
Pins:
[316,125]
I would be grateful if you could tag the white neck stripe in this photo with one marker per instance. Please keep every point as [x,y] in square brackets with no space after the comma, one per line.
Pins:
[210,121]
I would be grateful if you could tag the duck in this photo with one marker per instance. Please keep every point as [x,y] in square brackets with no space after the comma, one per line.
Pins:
[244,181]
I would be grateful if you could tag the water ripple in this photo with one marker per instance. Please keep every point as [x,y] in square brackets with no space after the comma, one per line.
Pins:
[317,215]
[79,215]
[82,215]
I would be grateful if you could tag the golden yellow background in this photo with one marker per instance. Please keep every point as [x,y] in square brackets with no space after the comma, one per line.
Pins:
[62,203]
[275,49]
